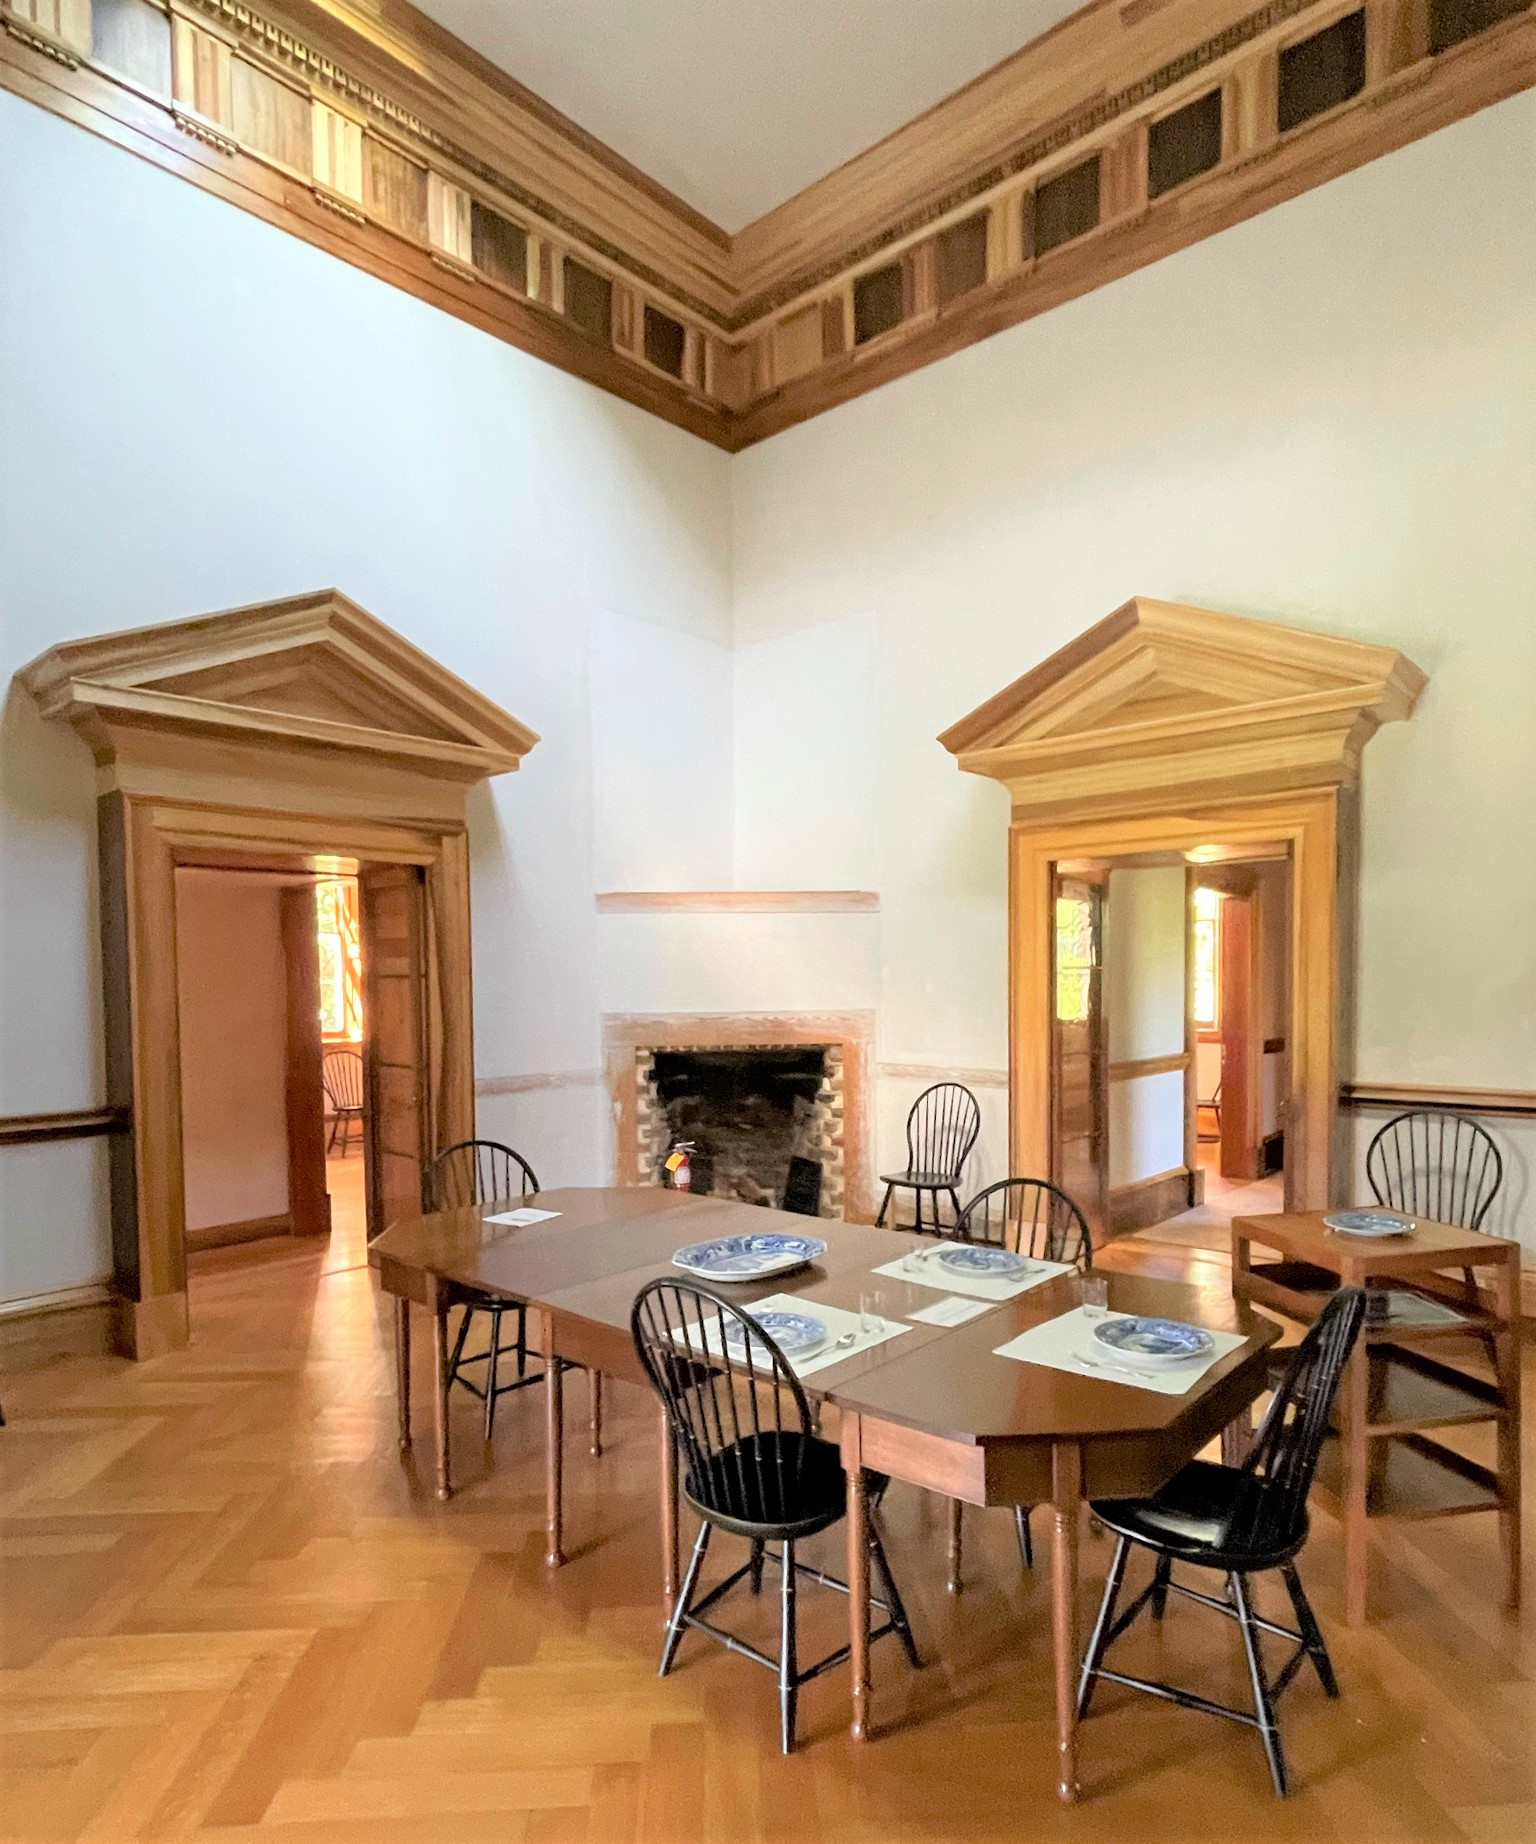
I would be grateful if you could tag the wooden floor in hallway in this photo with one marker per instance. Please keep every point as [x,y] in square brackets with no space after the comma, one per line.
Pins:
[231,1613]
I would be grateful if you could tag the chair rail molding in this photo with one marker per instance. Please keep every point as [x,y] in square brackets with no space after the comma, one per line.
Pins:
[1177,730]
[1123,135]
[289,736]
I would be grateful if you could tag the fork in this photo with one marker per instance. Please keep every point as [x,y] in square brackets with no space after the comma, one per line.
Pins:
[1098,1363]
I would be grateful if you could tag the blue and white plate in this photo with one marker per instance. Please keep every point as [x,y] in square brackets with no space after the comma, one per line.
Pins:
[748,1258]
[1369,1223]
[1154,1344]
[796,1334]
[982,1261]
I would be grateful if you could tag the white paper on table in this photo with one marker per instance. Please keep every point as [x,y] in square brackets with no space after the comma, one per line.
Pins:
[951,1312]
[926,1271]
[839,1324]
[1058,1342]
[524,1216]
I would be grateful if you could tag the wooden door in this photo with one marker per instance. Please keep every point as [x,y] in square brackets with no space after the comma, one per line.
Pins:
[309,1203]
[397,1086]
[1241,1040]
[1079,1072]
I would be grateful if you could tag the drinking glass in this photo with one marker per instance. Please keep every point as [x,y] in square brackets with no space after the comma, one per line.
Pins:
[871,1316]
[1093,1295]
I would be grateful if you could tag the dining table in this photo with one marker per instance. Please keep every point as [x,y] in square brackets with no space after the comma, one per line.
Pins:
[936,1407]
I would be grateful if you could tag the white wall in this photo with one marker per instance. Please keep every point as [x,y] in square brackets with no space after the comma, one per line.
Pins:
[232,997]
[1325,416]
[197,411]
[1143,996]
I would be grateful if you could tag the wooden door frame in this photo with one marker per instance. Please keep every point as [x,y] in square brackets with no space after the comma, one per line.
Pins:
[144,839]
[1319,827]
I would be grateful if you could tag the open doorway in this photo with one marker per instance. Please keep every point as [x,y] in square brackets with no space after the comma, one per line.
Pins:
[271,1040]
[1171,989]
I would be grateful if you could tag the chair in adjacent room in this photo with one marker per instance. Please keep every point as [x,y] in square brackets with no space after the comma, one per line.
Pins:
[1238,1522]
[751,1464]
[941,1130]
[483,1172]
[341,1074]
[1031,1217]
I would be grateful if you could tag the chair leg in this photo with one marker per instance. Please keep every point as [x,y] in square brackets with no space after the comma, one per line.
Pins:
[1026,1541]
[891,1595]
[885,1204]
[1094,1657]
[789,1688]
[595,1422]
[755,1566]
[522,1341]
[684,1599]
[1262,1706]
[1160,1583]
[1311,1632]
[956,1544]
[954,1198]
[492,1368]
[458,1348]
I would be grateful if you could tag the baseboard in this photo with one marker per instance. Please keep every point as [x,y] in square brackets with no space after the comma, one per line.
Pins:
[57,1300]
[224,1235]
[1149,1200]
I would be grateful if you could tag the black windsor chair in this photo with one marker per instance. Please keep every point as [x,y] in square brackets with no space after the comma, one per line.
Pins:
[750,1464]
[1240,1521]
[941,1130]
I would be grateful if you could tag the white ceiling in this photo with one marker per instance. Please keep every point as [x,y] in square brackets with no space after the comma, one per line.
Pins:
[735,105]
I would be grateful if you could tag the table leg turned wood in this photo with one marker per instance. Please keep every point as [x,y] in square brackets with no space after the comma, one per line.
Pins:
[554,1451]
[403,1369]
[858,1576]
[1067,1502]
[956,1544]
[437,1305]
[595,1416]
[669,1556]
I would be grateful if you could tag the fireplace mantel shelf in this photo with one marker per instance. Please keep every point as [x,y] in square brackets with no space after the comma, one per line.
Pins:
[741,902]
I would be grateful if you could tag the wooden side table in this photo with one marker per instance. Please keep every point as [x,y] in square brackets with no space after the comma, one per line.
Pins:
[1403,1380]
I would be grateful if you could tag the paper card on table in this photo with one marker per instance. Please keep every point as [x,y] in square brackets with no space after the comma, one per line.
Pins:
[924,1269]
[1067,1343]
[951,1312]
[524,1216]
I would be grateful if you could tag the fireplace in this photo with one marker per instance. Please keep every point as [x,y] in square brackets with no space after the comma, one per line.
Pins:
[773,1105]
[766,1121]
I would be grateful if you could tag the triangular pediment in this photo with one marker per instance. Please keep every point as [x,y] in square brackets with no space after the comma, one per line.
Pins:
[1159,687]
[310,671]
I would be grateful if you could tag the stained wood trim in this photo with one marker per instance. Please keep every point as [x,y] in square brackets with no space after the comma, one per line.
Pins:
[760,319]
[536,1080]
[252,1229]
[71,1124]
[1145,1201]
[1135,1067]
[742,902]
[944,1072]
[1514,1103]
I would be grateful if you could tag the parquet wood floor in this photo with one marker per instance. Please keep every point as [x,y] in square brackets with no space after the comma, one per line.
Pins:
[231,1615]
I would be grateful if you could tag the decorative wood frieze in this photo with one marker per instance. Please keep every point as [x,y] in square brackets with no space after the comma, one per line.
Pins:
[1124,135]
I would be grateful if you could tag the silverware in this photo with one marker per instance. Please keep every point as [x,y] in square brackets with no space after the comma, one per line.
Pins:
[1098,1363]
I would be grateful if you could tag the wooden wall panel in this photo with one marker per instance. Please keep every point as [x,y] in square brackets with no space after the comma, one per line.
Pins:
[336,151]
[450,219]
[270,117]
[395,189]
[133,37]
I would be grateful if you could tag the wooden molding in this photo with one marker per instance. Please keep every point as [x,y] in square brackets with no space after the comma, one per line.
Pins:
[1162,701]
[226,1235]
[372,133]
[1136,1067]
[740,902]
[1514,1103]
[1146,1201]
[538,1080]
[928,1073]
[74,1124]
[57,1300]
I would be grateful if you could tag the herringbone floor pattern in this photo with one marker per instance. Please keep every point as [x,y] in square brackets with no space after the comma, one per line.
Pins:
[230,1614]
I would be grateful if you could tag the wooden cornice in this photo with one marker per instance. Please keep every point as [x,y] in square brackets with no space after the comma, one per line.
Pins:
[1123,135]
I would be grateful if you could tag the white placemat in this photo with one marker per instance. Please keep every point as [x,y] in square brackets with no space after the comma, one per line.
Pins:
[924,1270]
[840,1323]
[951,1312]
[1060,1343]
[523,1216]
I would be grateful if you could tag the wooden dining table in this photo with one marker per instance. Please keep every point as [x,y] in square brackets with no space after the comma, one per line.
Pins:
[934,1407]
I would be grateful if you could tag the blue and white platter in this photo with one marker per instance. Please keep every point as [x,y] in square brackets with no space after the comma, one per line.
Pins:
[796,1334]
[1154,1344]
[981,1260]
[748,1258]
[1369,1223]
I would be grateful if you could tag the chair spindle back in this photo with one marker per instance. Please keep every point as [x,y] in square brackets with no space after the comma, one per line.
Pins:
[1432,1163]
[942,1129]
[1029,1216]
[479,1172]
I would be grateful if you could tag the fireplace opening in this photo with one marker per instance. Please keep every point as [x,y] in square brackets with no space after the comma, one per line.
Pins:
[765,1121]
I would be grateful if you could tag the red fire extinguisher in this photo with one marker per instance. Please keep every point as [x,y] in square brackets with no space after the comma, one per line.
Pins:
[678,1167]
